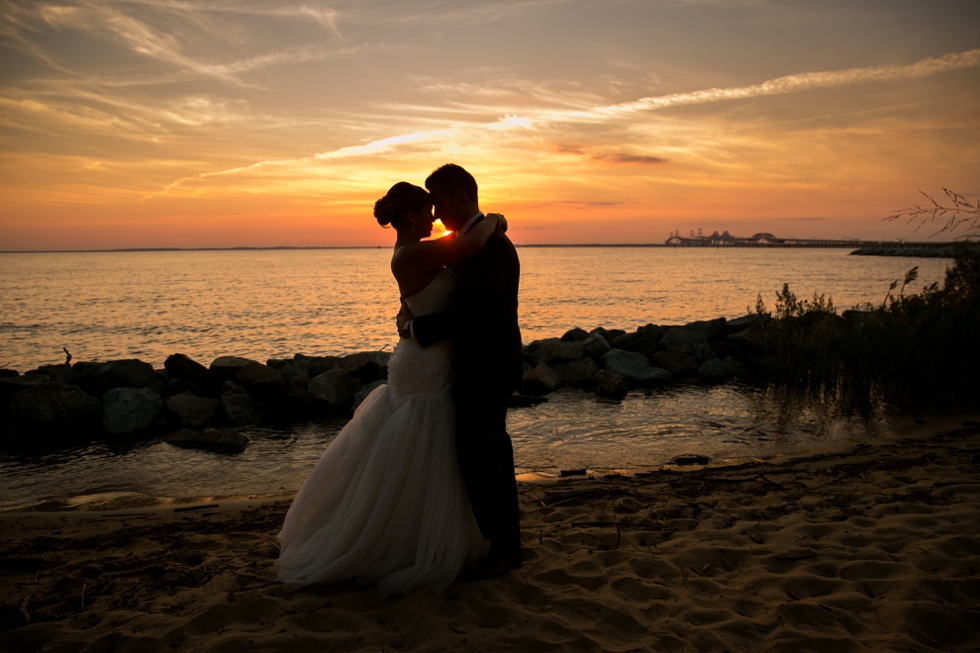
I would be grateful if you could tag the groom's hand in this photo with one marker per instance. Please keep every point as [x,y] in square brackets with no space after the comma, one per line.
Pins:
[402,319]
[501,221]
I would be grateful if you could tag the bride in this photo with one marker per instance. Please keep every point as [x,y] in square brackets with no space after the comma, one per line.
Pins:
[386,503]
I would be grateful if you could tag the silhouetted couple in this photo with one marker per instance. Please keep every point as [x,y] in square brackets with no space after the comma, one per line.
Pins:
[419,486]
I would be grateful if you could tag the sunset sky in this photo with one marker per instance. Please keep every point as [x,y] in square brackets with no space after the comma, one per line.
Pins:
[177,123]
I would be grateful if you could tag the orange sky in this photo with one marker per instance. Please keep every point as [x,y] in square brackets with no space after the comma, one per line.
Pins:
[219,124]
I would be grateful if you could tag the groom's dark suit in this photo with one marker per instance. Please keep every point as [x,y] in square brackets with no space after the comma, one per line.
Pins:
[489,367]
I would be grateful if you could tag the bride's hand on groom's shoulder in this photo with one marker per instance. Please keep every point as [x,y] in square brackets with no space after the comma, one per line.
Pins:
[501,220]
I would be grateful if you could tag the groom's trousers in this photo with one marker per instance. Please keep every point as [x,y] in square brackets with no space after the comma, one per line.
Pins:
[486,458]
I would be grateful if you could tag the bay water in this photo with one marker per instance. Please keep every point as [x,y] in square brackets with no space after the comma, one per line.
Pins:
[274,303]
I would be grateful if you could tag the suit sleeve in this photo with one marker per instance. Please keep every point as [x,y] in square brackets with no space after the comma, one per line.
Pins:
[430,329]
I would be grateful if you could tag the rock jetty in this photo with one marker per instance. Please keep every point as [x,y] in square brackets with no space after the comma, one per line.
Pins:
[202,406]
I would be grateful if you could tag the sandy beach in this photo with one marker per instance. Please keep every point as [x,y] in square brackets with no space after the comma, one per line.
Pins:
[876,548]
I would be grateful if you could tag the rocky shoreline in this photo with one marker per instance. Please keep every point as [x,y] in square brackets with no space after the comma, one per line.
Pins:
[199,406]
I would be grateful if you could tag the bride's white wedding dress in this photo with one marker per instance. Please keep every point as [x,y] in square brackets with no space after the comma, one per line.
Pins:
[386,503]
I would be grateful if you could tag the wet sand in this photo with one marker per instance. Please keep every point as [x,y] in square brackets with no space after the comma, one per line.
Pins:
[876,547]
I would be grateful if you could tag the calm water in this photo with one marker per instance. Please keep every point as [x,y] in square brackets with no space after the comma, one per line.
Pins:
[264,304]
[274,303]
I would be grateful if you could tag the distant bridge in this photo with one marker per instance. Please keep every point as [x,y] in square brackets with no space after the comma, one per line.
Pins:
[768,240]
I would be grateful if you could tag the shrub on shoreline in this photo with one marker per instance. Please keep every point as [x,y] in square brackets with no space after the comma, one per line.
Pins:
[910,348]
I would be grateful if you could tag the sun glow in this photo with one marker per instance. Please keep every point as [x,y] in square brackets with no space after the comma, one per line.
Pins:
[275,124]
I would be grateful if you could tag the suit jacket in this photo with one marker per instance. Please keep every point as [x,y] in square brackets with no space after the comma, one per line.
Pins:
[483,321]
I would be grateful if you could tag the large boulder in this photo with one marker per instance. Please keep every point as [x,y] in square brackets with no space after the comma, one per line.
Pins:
[610,385]
[646,338]
[320,364]
[56,410]
[193,412]
[552,350]
[366,366]
[363,393]
[634,368]
[693,343]
[132,411]
[574,335]
[750,340]
[184,367]
[741,323]
[541,380]
[11,385]
[220,440]
[719,369]
[607,334]
[594,346]
[127,373]
[296,371]
[681,366]
[61,373]
[239,406]
[260,379]
[5,373]
[224,368]
[716,329]
[577,374]
[175,386]
[334,389]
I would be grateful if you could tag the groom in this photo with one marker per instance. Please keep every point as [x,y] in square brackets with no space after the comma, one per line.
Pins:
[489,367]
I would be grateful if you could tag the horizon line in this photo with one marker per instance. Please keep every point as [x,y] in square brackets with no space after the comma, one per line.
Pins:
[857,243]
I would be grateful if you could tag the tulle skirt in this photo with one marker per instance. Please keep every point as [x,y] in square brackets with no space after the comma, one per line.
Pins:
[386,503]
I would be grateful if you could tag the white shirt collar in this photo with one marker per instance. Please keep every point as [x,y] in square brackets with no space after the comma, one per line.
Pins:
[466,227]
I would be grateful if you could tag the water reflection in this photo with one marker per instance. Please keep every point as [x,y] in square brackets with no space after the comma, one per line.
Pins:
[572,430]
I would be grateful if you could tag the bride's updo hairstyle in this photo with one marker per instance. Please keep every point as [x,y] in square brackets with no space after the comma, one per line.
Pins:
[395,205]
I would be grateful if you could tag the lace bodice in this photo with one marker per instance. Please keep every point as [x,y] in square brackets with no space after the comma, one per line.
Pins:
[435,297]
[413,370]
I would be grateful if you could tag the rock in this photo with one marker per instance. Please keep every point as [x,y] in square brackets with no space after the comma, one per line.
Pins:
[607,334]
[176,386]
[749,340]
[193,412]
[334,389]
[716,329]
[742,323]
[610,385]
[721,368]
[58,373]
[11,385]
[260,379]
[366,366]
[222,440]
[524,401]
[645,338]
[279,363]
[724,348]
[5,373]
[681,366]
[224,368]
[320,364]
[575,335]
[363,393]
[634,368]
[540,381]
[239,406]
[296,372]
[692,343]
[595,346]
[577,374]
[127,373]
[552,350]
[184,367]
[132,411]
[55,409]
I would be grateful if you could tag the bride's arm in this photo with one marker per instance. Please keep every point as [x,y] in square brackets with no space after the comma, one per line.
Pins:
[433,254]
